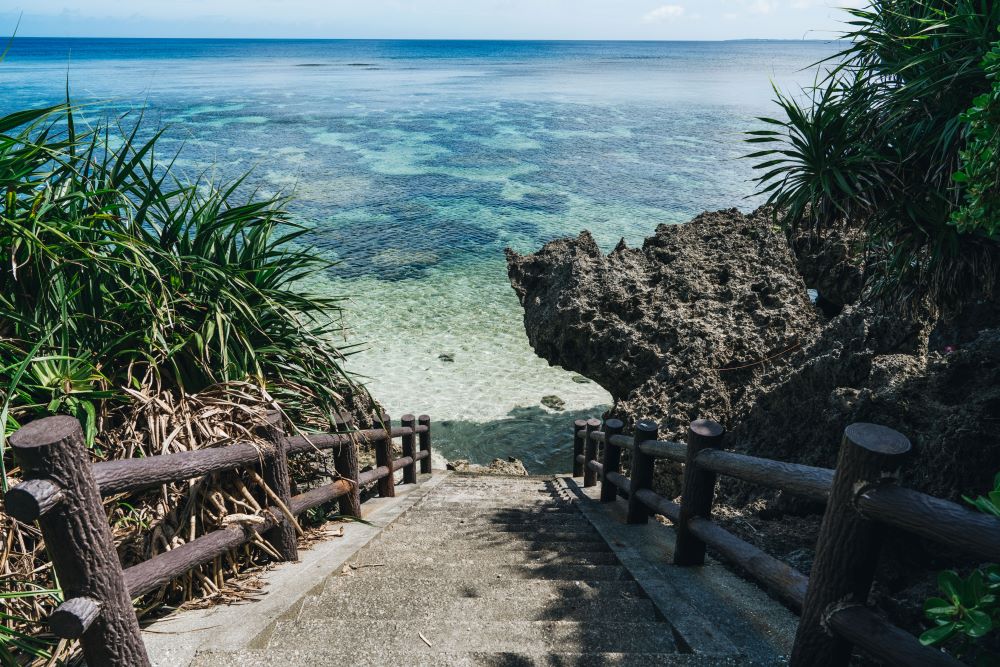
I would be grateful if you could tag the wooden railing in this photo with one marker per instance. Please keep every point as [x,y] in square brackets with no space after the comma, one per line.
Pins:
[62,491]
[862,499]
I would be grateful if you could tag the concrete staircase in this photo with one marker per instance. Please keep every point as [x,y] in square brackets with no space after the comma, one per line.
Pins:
[504,572]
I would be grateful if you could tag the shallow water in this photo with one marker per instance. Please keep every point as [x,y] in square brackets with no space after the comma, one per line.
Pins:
[416,163]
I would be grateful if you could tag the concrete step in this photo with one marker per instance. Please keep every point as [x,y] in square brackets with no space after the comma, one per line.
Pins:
[569,521]
[457,635]
[507,513]
[467,510]
[538,501]
[449,568]
[491,537]
[497,517]
[375,655]
[493,589]
[496,539]
[512,489]
[467,505]
[576,530]
[391,553]
[504,484]
[523,542]
[408,603]
[461,478]
[499,495]
[544,510]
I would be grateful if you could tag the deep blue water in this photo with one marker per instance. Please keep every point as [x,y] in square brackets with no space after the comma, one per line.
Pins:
[417,162]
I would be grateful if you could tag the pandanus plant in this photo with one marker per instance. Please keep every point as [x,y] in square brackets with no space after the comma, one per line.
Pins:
[119,279]
[878,141]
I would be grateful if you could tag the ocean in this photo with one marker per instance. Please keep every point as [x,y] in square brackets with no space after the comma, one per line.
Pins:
[415,163]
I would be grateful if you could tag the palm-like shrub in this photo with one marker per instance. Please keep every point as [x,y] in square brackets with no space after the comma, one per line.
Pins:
[122,288]
[878,142]
[117,275]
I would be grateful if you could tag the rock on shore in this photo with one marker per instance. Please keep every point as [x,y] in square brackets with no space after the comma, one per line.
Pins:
[869,366]
[682,328]
[712,319]
[509,467]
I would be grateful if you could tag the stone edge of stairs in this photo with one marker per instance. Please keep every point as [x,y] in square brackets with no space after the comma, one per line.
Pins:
[674,592]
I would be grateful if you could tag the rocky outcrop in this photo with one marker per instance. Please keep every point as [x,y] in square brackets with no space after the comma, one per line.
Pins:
[685,327]
[831,264]
[868,366]
[712,319]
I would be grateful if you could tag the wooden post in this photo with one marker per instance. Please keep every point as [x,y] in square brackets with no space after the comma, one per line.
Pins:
[345,462]
[410,449]
[642,471]
[590,453]
[848,546]
[425,444]
[79,542]
[578,448]
[275,474]
[698,492]
[612,460]
[383,457]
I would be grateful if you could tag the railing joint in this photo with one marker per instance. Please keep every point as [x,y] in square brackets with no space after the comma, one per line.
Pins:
[32,499]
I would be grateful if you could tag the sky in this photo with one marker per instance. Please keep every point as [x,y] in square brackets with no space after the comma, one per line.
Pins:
[429,19]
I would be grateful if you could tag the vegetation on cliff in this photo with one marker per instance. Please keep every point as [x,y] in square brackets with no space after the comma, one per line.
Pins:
[900,139]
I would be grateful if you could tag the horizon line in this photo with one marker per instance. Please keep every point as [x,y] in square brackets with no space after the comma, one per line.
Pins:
[434,39]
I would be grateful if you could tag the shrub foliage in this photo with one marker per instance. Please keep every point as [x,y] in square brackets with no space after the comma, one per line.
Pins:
[879,139]
[118,275]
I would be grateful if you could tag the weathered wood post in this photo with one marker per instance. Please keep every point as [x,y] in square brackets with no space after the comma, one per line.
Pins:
[383,457]
[78,540]
[590,449]
[698,492]
[848,546]
[425,444]
[612,460]
[578,448]
[643,466]
[275,474]
[410,449]
[345,462]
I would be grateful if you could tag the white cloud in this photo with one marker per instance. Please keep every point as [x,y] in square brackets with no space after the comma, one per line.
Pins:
[762,7]
[664,13]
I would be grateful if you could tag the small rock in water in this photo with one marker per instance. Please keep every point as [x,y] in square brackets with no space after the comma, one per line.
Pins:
[553,402]
[579,379]
[460,465]
[511,466]
[447,357]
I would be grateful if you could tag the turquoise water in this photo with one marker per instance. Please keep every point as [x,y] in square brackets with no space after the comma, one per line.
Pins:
[416,163]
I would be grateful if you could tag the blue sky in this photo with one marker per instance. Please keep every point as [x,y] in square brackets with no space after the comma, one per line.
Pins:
[433,19]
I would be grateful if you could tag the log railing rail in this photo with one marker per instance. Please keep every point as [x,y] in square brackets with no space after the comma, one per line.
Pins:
[862,498]
[62,490]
